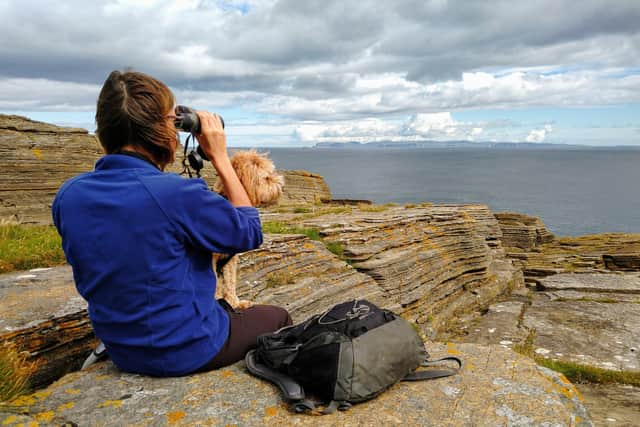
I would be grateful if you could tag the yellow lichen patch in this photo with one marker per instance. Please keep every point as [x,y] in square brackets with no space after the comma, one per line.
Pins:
[174,417]
[227,374]
[469,366]
[37,152]
[451,349]
[112,403]
[45,416]
[41,394]
[67,405]
[102,377]
[270,411]
[27,400]
[72,391]
[9,420]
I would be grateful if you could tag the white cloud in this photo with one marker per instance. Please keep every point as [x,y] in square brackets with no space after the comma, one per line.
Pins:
[341,66]
[365,130]
[539,135]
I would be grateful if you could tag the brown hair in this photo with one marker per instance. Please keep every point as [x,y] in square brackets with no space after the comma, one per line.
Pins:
[131,110]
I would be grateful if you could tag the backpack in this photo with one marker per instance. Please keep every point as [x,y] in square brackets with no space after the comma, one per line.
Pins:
[350,353]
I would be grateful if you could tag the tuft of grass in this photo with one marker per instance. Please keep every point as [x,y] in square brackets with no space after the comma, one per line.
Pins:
[277,227]
[300,210]
[578,373]
[375,208]
[279,278]
[23,247]
[15,371]
[335,248]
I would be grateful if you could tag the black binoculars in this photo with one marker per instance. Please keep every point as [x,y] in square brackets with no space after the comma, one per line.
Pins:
[187,121]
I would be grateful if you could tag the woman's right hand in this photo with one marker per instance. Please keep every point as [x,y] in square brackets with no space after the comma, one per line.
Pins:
[212,138]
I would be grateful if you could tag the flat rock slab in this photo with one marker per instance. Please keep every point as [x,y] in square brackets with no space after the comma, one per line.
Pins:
[30,297]
[587,332]
[593,282]
[496,387]
[499,325]
[612,405]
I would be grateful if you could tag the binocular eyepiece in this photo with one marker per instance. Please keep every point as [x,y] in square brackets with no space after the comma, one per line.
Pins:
[188,121]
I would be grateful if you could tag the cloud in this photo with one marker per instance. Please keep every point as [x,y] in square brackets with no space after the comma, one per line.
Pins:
[329,62]
[538,135]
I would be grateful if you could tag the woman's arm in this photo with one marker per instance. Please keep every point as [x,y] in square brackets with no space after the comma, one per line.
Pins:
[213,142]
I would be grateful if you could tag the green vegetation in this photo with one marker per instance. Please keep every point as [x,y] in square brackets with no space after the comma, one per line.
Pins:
[279,278]
[375,208]
[335,248]
[14,373]
[23,247]
[277,227]
[576,372]
[300,210]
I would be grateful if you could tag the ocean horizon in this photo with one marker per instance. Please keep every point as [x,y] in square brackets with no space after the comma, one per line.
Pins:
[573,191]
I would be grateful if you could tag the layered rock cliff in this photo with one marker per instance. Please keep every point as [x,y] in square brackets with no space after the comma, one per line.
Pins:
[35,158]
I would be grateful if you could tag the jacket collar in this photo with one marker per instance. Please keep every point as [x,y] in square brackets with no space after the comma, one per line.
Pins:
[124,161]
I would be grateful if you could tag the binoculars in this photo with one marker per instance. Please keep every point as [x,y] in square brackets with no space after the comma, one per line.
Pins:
[187,121]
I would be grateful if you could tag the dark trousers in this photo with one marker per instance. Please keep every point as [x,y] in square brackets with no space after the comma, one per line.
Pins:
[244,328]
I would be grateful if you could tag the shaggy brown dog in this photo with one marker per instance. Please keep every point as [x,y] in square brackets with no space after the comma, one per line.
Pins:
[264,186]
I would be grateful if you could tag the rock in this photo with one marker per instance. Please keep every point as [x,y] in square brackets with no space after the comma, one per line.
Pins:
[623,261]
[592,282]
[600,253]
[495,387]
[600,334]
[433,261]
[42,314]
[500,323]
[612,404]
[301,275]
[35,158]
[302,187]
[590,319]
[522,231]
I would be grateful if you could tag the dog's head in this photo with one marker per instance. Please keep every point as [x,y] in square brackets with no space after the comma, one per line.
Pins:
[258,176]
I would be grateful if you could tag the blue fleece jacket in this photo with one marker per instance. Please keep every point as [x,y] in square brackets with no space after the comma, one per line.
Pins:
[140,242]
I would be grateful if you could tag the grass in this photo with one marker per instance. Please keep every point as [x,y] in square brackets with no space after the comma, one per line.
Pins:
[23,247]
[375,208]
[576,372]
[279,278]
[335,248]
[579,373]
[14,373]
[277,227]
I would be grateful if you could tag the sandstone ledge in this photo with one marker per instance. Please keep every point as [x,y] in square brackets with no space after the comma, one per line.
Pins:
[496,387]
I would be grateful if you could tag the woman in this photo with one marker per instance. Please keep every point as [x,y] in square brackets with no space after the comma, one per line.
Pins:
[140,240]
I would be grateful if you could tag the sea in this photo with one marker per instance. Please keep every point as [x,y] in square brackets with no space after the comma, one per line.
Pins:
[574,191]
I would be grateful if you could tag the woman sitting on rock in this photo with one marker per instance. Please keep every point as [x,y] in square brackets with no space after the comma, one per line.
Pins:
[140,240]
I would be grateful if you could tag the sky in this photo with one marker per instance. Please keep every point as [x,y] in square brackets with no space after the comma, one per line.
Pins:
[298,72]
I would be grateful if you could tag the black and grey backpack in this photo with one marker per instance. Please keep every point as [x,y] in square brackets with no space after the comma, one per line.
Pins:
[348,354]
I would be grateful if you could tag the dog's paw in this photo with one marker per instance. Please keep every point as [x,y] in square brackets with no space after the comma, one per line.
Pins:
[243,304]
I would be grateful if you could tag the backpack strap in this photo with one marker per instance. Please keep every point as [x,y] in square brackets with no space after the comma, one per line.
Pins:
[434,373]
[290,389]
[96,355]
